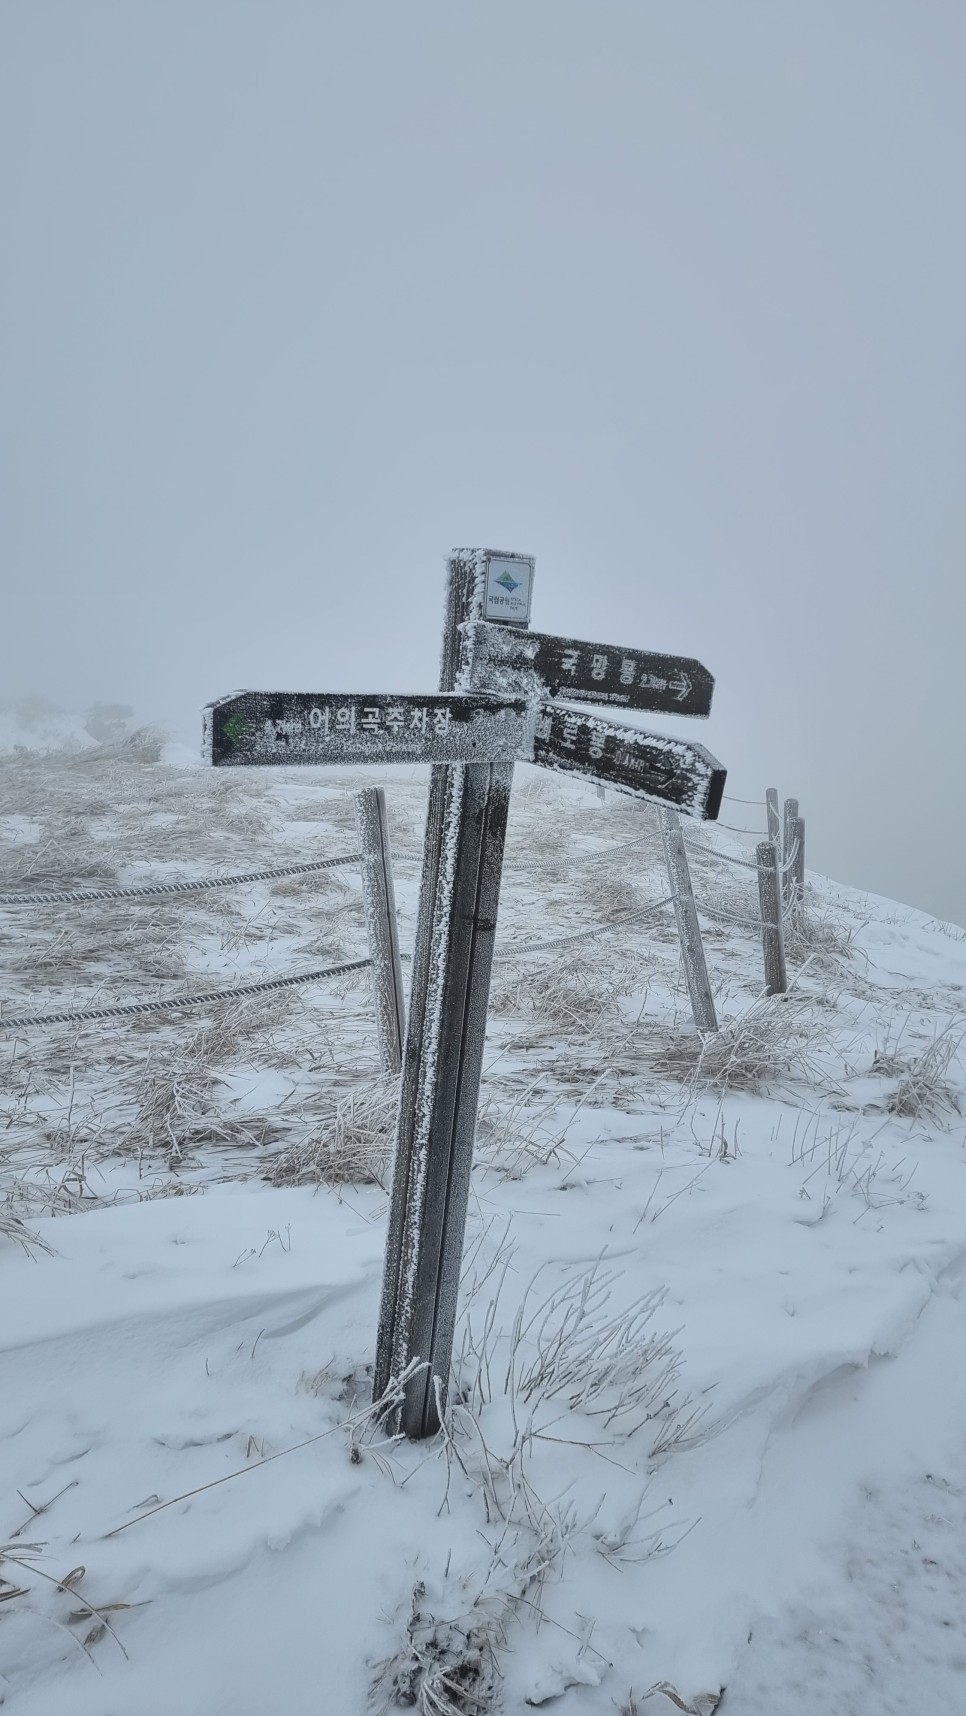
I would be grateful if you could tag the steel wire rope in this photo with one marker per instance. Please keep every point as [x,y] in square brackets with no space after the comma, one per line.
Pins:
[504,952]
[518,864]
[79,897]
[732,917]
[789,861]
[521,864]
[726,857]
[171,1003]
[743,863]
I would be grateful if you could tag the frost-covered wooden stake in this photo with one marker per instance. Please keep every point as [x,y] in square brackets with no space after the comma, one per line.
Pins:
[789,813]
[379,900]
[505,695]
[771,812]
[798,867]
[772,938]
[455,934]
[689,930]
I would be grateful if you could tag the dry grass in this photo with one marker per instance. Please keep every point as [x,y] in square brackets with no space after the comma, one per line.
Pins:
[353,1147]
[765,1044]
[12,1228]
[518,1129]
[164,1090]
[703,1703]
[445,1667]
[924,1090]
[569,1368]
[564,997]
[573,1364]
[819,935]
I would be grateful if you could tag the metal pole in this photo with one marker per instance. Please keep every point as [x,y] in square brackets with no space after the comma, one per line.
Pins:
[771,811]
[772,939]
[689,930]
[443,1056]
[380,907]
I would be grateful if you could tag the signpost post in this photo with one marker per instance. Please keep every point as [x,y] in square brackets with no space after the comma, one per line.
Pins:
[497,703]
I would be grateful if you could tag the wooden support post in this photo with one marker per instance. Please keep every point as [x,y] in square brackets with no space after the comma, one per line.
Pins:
[443,1056]
[771,811]
[789,813]
[689,930]
[798,867]
[380,907]
[772,938]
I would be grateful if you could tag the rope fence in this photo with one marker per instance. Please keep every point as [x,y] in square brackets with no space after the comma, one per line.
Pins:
[518,865]
[85,896]
[521,864]
[505,951]
[173,1003]
[756,922]
[779,865]
[761,833]
[743,863]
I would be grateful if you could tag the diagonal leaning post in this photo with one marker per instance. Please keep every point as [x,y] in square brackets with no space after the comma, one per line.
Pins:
[379,902]
[503,696]
[689,930]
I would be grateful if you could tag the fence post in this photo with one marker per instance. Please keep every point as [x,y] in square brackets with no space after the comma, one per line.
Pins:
[380,907]
[789,813]
[798,868]
[772,939]
[689,930]
[771,811]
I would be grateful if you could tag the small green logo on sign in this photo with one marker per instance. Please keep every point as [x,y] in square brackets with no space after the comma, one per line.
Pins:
[236,730]
[509,584]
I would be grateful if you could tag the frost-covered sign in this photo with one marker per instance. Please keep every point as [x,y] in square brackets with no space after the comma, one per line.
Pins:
[594,673]
[506,694]
[285,727]
[369,727]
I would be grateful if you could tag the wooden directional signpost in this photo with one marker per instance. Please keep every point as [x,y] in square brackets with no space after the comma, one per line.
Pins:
[497,704]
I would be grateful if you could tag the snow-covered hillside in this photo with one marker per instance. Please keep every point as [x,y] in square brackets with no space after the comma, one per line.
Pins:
[705,1447]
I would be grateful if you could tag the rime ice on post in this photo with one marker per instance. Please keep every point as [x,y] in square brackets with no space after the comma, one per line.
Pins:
[689,930]
[455,934]
[772,932]
[771,811]
[379,901]
[497,703]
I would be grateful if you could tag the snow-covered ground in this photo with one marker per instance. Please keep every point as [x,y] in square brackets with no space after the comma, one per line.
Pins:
[706,1447]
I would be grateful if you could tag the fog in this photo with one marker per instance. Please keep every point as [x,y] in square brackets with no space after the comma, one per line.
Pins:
[296,297]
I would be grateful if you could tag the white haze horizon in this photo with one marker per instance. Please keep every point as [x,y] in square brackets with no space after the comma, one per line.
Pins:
[297,298]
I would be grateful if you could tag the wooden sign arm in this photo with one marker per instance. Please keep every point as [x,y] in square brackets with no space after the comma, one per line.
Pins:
[513,662]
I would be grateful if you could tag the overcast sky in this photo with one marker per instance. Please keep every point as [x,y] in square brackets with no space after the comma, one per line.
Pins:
[297,296]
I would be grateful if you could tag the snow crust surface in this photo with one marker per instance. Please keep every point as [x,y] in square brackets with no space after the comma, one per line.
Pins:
[184,1378]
